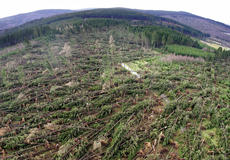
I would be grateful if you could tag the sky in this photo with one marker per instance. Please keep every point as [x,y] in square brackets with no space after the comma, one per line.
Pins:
[215,9]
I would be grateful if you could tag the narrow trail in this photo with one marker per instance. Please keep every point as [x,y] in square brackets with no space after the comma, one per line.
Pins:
[129,69]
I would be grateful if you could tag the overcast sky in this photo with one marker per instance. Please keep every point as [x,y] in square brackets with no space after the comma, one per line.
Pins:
[215,9]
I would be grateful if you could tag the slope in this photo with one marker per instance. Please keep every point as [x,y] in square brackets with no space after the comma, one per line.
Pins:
[17,20]
[29,30]
[66,95]
[219,32]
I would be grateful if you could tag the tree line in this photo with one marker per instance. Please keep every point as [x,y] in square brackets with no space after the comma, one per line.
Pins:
[221,53]
[24,35]
[159,36]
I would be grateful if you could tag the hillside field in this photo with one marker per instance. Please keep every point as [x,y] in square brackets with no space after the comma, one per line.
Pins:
[66,95]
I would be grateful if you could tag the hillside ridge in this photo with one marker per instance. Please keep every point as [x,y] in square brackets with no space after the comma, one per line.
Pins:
[136,18]
[218,31]
[112,84]
[17,20]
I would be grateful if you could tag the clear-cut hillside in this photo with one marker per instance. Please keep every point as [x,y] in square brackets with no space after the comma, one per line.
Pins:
[104,85]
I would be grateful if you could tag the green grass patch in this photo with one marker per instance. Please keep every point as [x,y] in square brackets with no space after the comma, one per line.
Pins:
[210,136]
[9,54]
[189,51]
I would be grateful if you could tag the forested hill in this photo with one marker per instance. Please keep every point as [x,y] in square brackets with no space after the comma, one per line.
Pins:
[182,21]
[39,27]
[218,31]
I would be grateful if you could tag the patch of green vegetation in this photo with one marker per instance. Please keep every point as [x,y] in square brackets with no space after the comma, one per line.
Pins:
[4,78]
[189,51]
[8,54]
[158,36]
[210,136]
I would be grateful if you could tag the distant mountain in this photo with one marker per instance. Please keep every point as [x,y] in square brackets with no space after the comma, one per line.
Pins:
[14,21]
[219,32]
